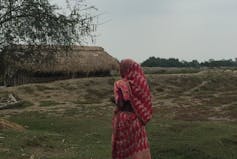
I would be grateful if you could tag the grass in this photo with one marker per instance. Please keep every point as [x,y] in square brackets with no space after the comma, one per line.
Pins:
[180,129]
[49,135]
[47,103]
[44,88]
[83,101]
[232,110]
[27,89]
[183,139]
[22,104]
[160,70]
[52,137]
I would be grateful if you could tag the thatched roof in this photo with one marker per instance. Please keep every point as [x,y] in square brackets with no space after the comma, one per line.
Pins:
[75,59]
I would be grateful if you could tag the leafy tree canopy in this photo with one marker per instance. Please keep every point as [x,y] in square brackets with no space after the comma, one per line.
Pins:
[173,62]
[38,22]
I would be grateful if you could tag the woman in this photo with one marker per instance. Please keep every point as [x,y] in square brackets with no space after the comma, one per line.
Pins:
[133,111]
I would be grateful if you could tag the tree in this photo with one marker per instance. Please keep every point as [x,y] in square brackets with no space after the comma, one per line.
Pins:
[194,63]
[38,23]
[173,62]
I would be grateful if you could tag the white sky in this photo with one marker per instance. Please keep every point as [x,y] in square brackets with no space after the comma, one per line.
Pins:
[184,29]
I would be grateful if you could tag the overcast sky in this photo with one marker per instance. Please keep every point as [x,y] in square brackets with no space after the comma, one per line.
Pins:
[185,29]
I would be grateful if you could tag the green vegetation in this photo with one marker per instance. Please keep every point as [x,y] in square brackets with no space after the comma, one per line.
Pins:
[160,70]
[44,88]
[22,104]
[87,137]
[199,140]
[173,62]
[47,103]
[195,116]
[19,105]
[57,137]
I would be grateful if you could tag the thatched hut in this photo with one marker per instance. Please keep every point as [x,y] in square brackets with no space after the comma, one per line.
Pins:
[77,61]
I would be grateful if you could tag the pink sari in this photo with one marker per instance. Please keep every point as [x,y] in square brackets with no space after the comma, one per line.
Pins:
[129,138]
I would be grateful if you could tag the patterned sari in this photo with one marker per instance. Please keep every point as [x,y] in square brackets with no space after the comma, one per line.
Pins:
[129,138]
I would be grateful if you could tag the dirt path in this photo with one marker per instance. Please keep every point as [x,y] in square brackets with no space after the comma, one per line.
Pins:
[196,88]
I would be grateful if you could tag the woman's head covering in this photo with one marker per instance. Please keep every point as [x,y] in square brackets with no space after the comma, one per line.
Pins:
[140,96]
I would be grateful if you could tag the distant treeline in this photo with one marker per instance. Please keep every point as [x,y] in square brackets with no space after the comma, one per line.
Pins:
[174,62]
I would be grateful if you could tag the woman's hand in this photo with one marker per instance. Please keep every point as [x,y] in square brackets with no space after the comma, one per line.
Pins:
[112,99]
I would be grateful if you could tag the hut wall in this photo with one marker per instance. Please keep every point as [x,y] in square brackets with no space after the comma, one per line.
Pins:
[20,77]
[1,81]
[23,77]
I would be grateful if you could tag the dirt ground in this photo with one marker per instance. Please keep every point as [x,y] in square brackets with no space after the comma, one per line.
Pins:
[197,96]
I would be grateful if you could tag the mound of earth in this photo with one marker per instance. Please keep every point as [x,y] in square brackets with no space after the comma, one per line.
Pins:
[5,124]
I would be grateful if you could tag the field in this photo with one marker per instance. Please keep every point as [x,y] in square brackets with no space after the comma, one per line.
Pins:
[195,117]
